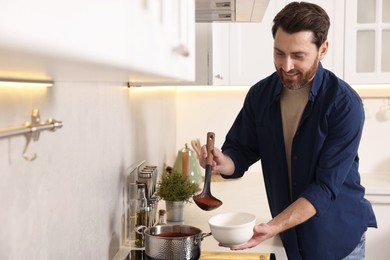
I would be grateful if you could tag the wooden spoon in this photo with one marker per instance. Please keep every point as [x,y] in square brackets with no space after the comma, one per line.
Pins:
[197,147]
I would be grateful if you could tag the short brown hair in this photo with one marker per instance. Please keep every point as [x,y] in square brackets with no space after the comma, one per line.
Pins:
[301,16]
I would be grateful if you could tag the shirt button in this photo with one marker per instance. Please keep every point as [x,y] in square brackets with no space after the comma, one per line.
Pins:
[295,157]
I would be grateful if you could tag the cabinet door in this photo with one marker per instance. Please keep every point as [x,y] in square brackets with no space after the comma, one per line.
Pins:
[178,34]
[136,40]
[242,53]
[160,40]
[367,41]
[377,240]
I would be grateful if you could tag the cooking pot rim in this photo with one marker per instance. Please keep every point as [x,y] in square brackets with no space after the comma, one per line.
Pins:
[173,227]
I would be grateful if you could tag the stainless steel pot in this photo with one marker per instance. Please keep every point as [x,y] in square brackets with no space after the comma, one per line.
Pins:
[173,242]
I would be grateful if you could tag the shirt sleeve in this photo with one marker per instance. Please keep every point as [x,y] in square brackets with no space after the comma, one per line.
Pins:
[241,141]
[344,124]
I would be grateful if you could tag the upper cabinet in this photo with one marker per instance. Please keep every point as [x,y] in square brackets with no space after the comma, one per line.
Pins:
[137,41]
[230,10]
[359,44]
[367,41]
[242,53]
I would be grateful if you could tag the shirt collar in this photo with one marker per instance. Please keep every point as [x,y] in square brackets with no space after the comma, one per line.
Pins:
[317,82]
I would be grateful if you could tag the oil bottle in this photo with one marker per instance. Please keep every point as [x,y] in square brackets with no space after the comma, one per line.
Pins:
[141,216]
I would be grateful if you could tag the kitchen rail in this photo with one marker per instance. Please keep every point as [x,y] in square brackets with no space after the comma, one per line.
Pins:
[31,131]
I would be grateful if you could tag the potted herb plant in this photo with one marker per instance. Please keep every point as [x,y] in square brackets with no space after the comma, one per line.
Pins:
[177,190]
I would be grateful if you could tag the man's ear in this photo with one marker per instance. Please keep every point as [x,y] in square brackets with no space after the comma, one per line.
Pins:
[323,50]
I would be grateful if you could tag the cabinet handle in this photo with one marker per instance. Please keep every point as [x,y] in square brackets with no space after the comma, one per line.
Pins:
[218,76]
[222,4]
[182,50]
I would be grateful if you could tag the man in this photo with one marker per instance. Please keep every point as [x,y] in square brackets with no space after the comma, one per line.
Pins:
[305,125]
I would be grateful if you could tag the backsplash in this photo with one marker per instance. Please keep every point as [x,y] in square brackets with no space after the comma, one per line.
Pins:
[67,204]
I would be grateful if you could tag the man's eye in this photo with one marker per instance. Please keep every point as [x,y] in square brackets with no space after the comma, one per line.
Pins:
[298,57]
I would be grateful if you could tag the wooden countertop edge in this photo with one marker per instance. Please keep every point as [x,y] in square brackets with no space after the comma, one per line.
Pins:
[235,255]
[124,251]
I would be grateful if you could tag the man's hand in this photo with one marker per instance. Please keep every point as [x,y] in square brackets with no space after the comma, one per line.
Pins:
[261,232]
[221,162]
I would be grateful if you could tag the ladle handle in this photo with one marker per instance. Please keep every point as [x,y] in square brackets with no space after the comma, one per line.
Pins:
[210,147]
[209,163]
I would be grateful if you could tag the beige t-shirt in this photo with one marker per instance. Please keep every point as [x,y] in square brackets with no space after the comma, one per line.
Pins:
[292,104]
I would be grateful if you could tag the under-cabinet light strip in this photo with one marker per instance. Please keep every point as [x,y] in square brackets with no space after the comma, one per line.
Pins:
[25,83]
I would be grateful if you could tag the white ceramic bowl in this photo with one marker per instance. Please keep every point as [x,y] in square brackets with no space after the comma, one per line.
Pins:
[234,228]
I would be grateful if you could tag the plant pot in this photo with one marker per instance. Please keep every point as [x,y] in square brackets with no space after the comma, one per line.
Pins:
[175,211]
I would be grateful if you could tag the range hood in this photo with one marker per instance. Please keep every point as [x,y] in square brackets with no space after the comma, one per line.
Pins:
[230,10]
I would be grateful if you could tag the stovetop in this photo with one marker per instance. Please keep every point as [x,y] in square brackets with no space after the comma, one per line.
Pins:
[141,255]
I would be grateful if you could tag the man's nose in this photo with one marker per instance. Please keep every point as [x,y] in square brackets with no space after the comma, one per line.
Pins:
[288,64]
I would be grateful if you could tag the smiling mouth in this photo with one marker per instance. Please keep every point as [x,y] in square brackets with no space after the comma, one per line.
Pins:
[290,76]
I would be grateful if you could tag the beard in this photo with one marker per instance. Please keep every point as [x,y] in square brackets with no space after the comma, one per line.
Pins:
[301,79]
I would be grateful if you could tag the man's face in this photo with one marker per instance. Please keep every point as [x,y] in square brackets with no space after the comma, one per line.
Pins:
[296,57]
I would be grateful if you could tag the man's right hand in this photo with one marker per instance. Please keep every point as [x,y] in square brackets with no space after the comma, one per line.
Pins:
[221,163]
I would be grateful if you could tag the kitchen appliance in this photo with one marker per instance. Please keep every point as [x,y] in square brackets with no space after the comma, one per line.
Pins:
[230,10]
[173,242]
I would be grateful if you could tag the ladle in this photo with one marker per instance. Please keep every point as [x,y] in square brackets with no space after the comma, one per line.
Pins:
[205,200]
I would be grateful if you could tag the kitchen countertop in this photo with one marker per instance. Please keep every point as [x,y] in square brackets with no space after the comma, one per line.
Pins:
[376,183]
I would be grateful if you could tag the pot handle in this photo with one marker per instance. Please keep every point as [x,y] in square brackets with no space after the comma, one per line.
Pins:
[141,230]
[200,238]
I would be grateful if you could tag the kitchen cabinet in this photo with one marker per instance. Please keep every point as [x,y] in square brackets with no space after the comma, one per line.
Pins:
[367,41]
[359,44]
[378,193]
[377,239]
[242,53]
[133,41]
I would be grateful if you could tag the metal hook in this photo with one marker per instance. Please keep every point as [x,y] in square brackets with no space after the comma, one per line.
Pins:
[25,155]
[35,120]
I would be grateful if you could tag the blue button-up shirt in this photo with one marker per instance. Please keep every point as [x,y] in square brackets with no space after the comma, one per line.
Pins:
[324,163]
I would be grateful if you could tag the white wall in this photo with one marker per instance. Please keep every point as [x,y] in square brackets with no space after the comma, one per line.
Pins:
[67,203]
[375,145]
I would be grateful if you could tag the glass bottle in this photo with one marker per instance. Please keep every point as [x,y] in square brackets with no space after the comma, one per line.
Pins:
[141,216]
[161,217]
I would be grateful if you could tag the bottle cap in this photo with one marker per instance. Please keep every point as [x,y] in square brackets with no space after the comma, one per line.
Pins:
[141,185]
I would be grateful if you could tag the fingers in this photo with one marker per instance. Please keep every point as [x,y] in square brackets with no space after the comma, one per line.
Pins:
[261,233]
[203,156]
[251,243]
